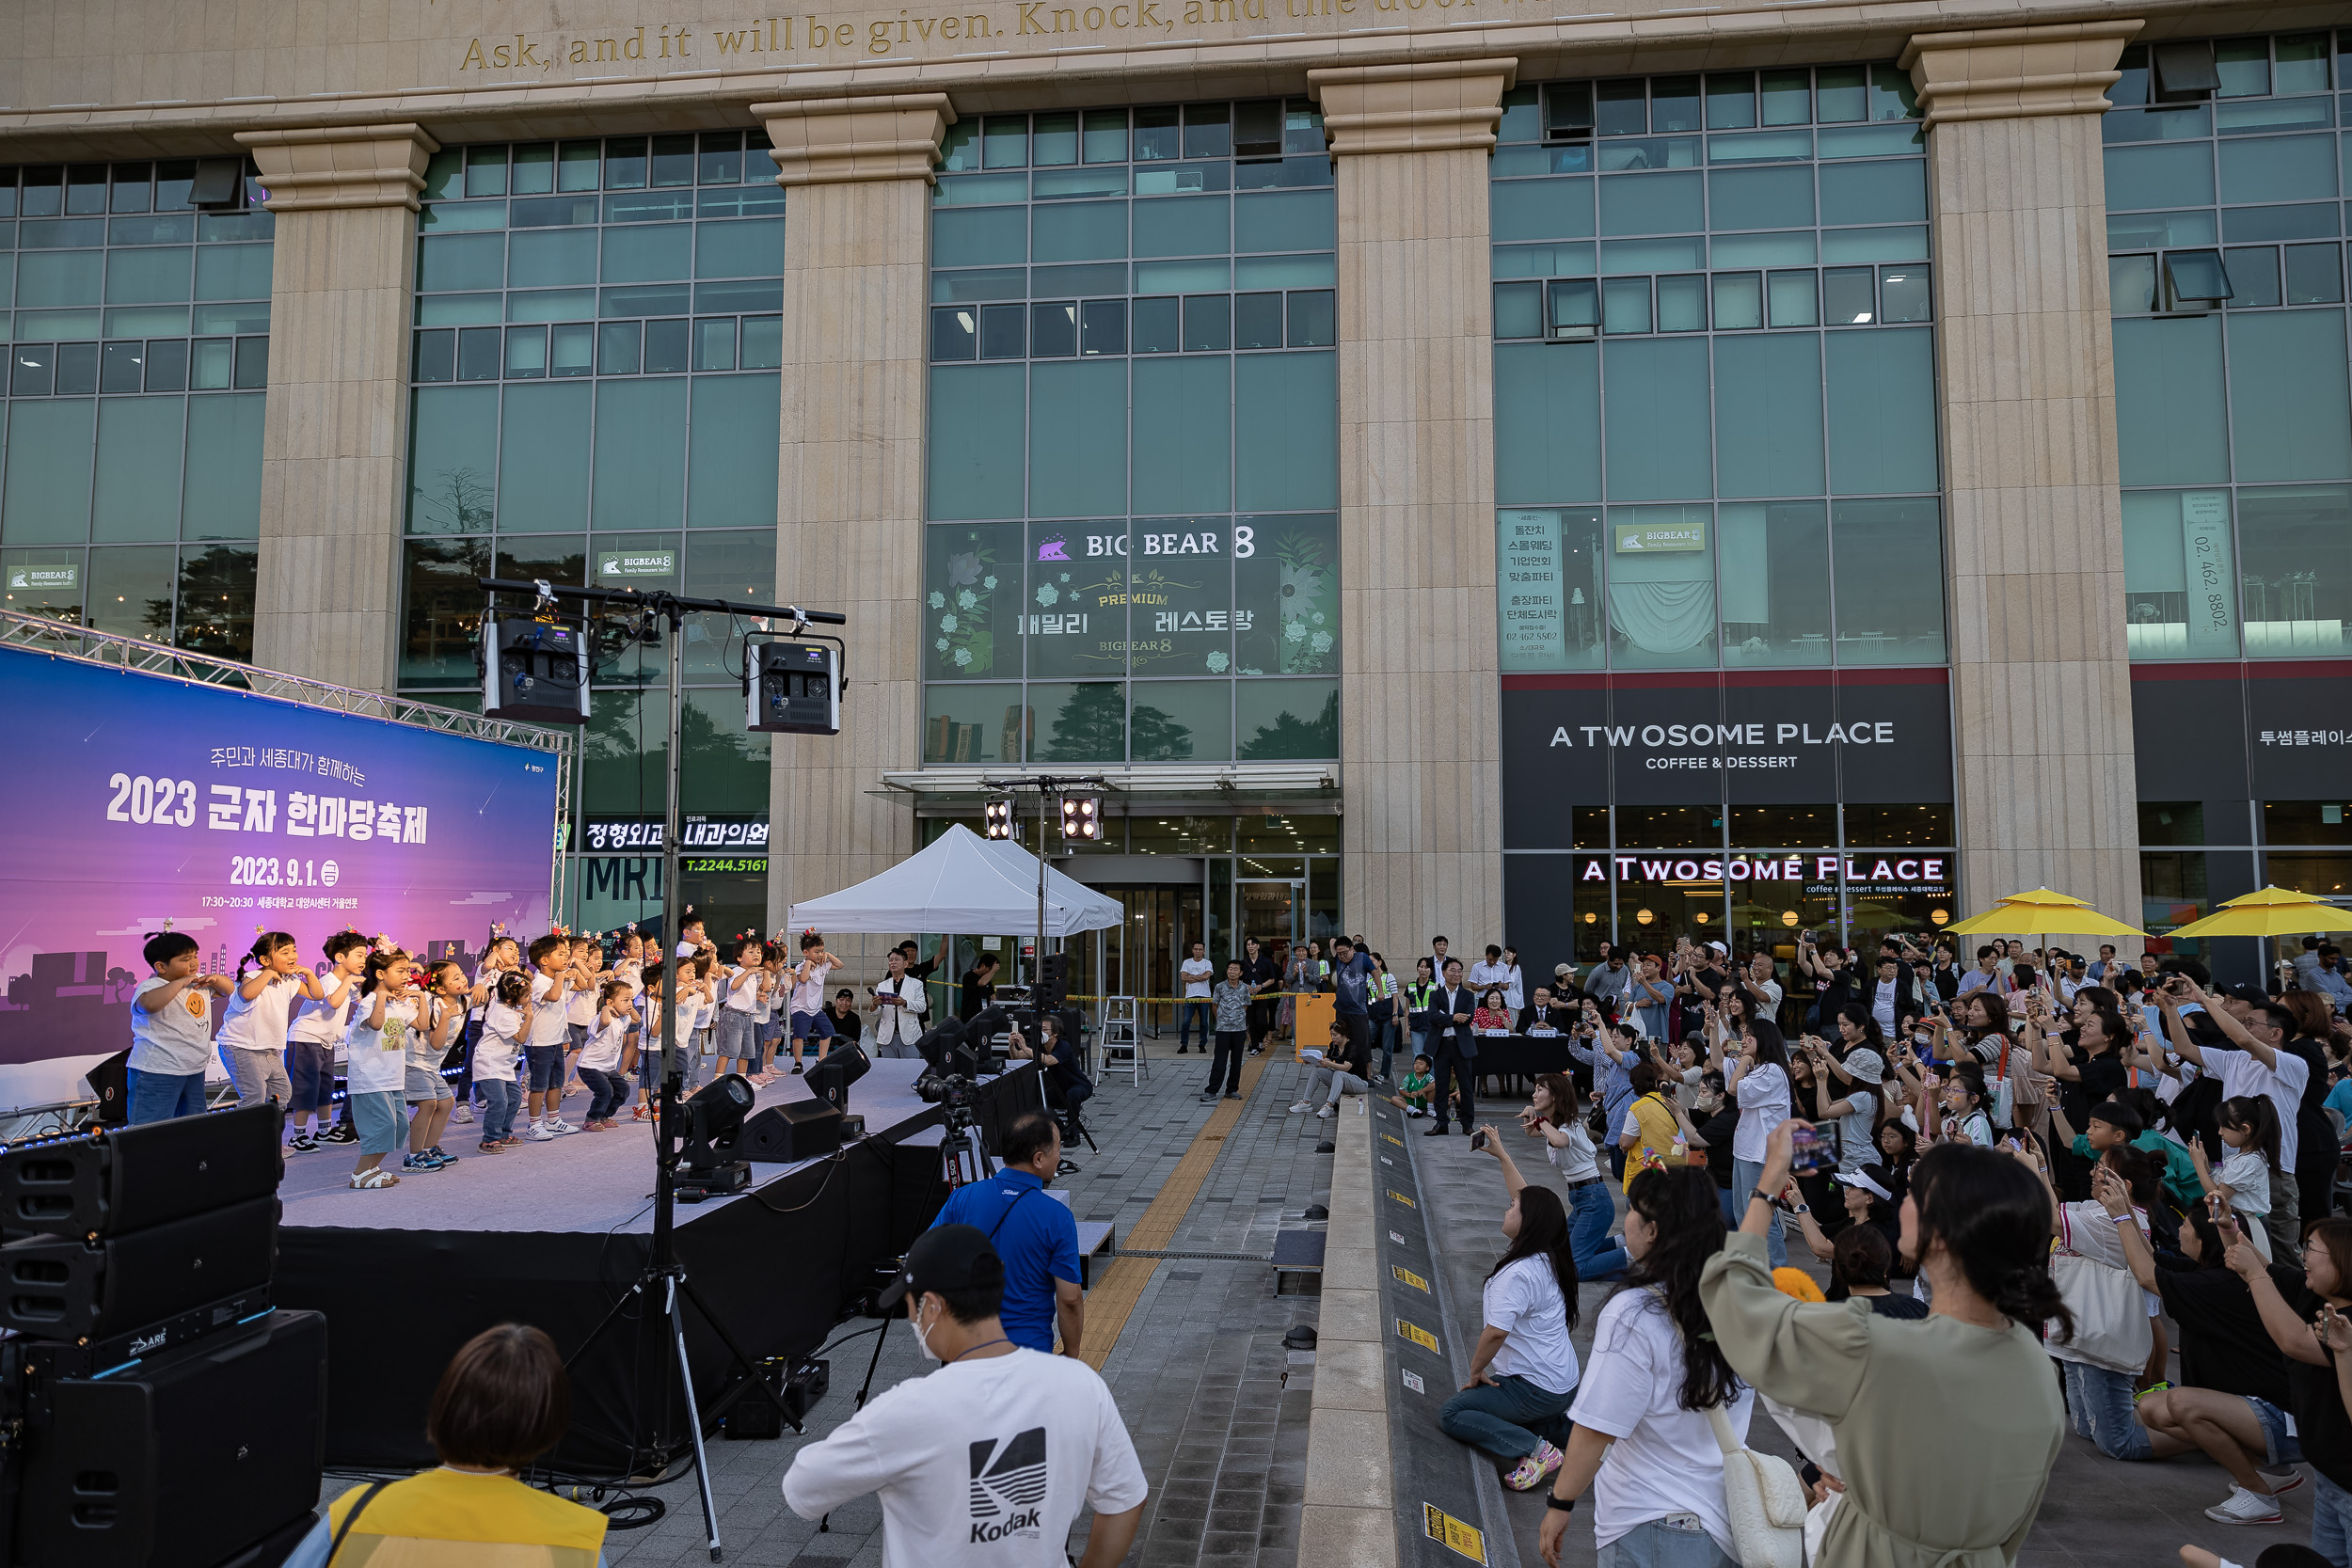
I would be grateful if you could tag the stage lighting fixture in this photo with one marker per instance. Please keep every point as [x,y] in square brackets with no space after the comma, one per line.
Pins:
[1081,819]
[709,1124]
[831,1075]
[792,687]
[936,1043]
[535,671]
[997,818]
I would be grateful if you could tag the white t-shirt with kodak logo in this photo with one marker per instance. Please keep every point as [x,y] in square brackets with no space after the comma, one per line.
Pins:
[985,1462]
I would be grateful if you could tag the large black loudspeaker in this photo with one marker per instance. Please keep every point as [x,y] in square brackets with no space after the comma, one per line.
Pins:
[181,1462]
[64,1287]
[110,1080]
[792,688]
[128,1179]
[535,671]
[796,1130]
[1053,983]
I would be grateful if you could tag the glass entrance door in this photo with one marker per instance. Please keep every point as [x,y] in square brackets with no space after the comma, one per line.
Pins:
[1272,914]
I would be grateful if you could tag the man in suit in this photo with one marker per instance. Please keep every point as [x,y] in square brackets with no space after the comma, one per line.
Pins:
[1456,1053]
[899,1004]
[1543,1013]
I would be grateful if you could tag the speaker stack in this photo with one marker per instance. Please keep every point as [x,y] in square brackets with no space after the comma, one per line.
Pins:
[165,1416]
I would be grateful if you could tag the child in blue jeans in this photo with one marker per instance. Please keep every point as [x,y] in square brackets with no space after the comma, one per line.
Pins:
[495,1055]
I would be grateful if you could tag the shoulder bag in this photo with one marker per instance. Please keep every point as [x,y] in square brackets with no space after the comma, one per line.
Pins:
[1763,1500]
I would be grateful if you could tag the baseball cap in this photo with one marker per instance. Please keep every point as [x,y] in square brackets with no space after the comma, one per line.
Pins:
[945,1258]
[1718,947]
[1867,1180]
[1561,969]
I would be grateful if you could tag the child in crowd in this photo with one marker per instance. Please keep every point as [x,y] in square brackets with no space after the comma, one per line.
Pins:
[690,940]
[738,994]
[649,1039]
[171,1026]
[2249,1128]
[377,1077]
[503,957]
[702,1033]
[505,1024]
[315,1032]
[580,1013]
[253,1027]
[810,1027]
[765,1022]
[600,1058]
[1415,1092]
[440,1020]
[551,990]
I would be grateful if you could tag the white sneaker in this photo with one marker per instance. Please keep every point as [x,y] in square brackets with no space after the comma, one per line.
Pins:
[2282,1484]
[2242,1507]
[463,1116]
[1323,1113]
[1301,1107]
[558,1126]
[539,1135]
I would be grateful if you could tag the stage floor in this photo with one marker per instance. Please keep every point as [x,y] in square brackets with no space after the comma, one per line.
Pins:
[589,1181]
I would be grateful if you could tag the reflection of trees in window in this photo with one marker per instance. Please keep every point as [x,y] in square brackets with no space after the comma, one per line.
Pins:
[461,501]
[725,766]
[215,602]
[1290,738]
[1157,737]
[444,607]
[625,753]
[1091,725]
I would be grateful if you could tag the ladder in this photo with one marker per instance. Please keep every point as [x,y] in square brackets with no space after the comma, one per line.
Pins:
[1121,1051]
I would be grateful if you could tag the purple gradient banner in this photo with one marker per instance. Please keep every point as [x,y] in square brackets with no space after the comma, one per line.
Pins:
[136,802]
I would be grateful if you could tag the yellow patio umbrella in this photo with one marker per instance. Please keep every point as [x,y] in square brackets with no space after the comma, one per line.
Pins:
[2275,911]
[2042,913]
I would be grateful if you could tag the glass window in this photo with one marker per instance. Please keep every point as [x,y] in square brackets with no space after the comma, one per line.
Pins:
[130,589]
[1286,431]
[977,413]
[1084,721]
[442,609]
[1653,204]
[732,427]
[2296,563]
[1548,589]
[2179,175]
[1655,449]
[1889,559]
[1286,720]
[1547,423]
[1182,722]
[1077,440]
[215,600]
[222,496]
[1661,587]
[2306,822]
[2172,822]
[638,471]
[1882,411]
[138,485]
[2171,424]
[1768,415]
[1182,435]
[2178,596]
[1773,564]
[2290,414]
[46,500]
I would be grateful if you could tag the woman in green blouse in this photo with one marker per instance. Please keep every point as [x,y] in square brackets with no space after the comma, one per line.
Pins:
[1947,1427]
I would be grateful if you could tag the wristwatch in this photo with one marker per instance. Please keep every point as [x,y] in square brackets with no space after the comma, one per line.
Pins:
[1769,1198]
[1564,1505]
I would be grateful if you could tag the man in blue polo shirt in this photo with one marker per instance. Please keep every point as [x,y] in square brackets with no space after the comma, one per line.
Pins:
[1034,1234]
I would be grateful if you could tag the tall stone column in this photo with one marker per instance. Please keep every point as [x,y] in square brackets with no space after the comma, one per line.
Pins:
[1422,838]
[2033,519]
[335,437]
[850,484]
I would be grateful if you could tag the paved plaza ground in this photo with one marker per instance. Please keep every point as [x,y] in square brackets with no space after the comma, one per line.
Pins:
[1219,1408]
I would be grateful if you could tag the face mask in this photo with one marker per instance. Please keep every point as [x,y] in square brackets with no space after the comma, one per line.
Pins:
[922,1340]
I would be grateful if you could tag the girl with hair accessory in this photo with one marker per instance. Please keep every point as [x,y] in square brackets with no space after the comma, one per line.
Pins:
[253,1025]
[1963,1488]
[376,1077]
[1524,1372]
[441,1019]
[1642,1440]
[2249,1129]
[313,1031]
[497,1054]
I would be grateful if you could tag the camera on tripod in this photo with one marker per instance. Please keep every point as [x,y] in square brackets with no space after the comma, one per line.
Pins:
[955,1091]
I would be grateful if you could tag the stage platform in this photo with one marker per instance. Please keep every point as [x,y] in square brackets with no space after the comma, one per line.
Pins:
[555,1235]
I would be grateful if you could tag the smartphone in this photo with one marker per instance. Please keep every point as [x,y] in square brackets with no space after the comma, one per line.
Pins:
[2016,1144]
[1814,1149]
[1478,1140]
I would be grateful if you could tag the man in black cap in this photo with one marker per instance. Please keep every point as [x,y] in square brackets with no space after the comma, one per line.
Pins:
[988,1460]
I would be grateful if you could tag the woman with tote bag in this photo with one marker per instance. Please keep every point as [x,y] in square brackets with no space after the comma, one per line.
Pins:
[1960,1491]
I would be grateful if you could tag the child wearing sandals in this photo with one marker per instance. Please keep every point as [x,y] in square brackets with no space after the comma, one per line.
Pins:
[440,1026]
[495,1055]
[600,1058]
[377,1073]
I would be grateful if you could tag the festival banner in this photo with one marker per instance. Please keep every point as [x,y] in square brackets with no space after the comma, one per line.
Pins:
[138,804]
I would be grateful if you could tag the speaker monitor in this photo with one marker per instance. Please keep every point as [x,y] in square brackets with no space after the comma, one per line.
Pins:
[128,1179]
[1053,983]
[110,1085]
[831,1075]
[65,1287]
[796,1130]
[793,688]
[533,672]
[181,1461]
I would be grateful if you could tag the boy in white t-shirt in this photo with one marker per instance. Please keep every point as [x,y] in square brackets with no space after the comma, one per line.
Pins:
[600,1058]
[551,990]
[253,1026]
[738,996]
[171,1030]
[313,1031]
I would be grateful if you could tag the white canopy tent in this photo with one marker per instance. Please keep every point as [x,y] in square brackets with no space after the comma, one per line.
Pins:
[965,883]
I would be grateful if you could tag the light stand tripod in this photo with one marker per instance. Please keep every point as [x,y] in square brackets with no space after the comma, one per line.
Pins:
[664,1277]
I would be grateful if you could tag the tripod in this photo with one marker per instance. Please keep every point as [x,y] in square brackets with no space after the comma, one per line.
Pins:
[663,1275]
[824,1523]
